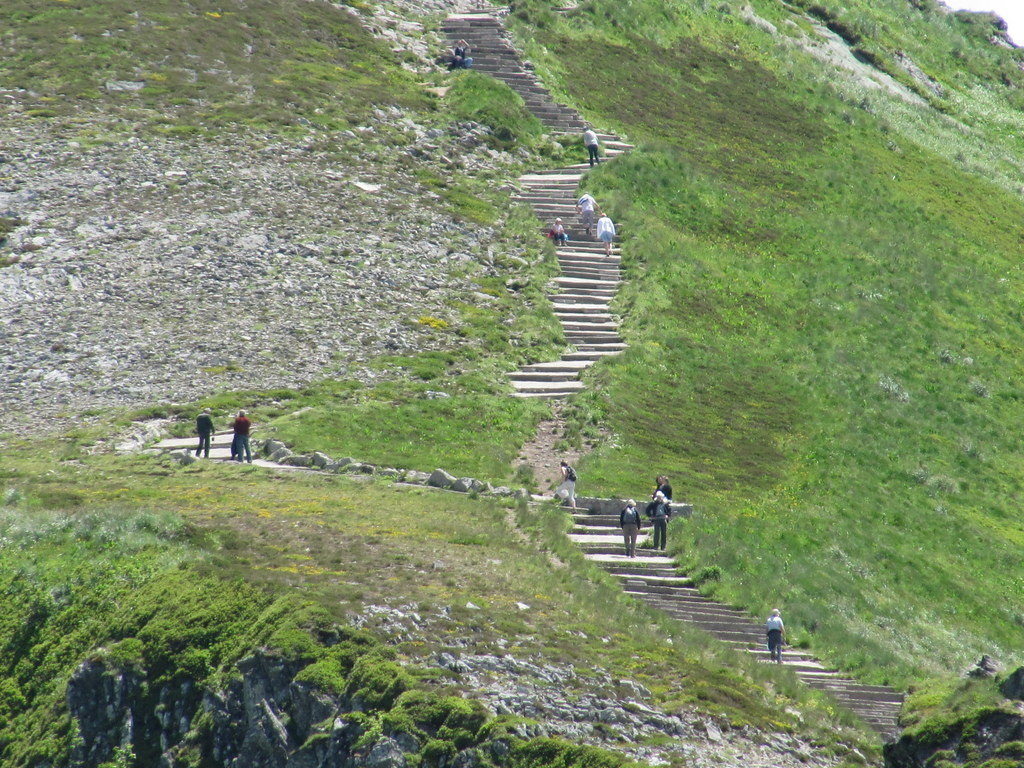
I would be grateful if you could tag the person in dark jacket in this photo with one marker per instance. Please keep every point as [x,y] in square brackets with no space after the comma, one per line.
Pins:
[664,487]
[204,427]
[659,511]
[631,523]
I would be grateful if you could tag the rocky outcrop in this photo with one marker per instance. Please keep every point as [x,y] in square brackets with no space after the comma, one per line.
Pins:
[267,718]
[263,719]
[972,740]
[994,733]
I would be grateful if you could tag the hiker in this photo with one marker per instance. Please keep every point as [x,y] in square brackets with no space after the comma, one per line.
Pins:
[631,523]
[659,511]
[204,427]
[567,490]
[240,442]
[460,56]
[606,233]
[585,207]
[776,635]
[661,484]
[558,233]
[590,141]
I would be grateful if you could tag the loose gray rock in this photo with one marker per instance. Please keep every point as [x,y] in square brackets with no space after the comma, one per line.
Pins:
[281,454]
[440,479]
[183,457]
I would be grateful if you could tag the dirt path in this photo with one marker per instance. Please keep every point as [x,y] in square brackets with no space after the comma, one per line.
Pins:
[541,455]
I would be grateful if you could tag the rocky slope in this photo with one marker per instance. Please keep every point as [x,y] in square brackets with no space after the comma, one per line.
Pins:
[155,269]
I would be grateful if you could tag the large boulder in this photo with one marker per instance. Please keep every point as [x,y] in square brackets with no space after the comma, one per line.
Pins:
[281,454]
[270,446]
[441,479]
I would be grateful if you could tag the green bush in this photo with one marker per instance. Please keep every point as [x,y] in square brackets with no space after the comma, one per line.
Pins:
[376,683]
[553,753]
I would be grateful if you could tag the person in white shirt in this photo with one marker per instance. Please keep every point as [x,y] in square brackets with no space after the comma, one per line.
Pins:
[590,140]
[776,635]
[606,233]
[585,207]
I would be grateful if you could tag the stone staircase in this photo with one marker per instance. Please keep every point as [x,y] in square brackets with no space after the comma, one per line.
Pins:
[652,577]
[589,279]
[586,288]
[494,54]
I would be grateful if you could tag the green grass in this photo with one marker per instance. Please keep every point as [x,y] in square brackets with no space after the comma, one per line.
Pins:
[822,310]
[822,316]
[181,571]
[483,99]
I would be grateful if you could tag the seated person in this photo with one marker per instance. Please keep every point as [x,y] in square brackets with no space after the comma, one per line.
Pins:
[558,233]
[460,56]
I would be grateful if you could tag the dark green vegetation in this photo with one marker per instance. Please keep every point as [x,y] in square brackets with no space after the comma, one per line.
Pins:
[965,723]
[178,574]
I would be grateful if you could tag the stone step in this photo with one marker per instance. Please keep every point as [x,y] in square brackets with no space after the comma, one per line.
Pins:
[597,261]
[593,357]
[583,350]
[546,387]
[579,308]
[637,580]
[580,301]
[562,366]
[592,337]
[540,377]
[648,571]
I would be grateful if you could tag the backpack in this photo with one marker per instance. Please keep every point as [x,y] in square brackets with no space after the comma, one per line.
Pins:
[570,474]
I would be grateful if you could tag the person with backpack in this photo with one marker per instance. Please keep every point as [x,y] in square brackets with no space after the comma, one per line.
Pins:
[776,635]
[240,450]
[567,490]
[631,523]
[204,427]
[659,511]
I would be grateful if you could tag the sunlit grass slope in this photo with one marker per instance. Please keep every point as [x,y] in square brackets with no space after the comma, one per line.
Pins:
[825,331]
[179,572]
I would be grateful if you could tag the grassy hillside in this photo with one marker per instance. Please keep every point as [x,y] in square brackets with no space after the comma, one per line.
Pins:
[184,572]
[824,323]
[822,307]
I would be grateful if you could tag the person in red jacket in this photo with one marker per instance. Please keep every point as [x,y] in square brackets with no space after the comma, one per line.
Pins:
[240,442]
